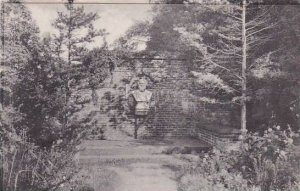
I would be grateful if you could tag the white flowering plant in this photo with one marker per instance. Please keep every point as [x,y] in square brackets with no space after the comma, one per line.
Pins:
[269,160]
[260,162]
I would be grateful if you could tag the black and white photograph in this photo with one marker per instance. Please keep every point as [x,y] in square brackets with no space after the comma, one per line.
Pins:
[150,95]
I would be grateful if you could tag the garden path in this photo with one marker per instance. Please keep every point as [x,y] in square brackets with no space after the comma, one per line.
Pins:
[146,177]
[134,165]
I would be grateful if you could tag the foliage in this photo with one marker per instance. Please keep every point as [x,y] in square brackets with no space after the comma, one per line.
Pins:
[269,161]
[39,145]
[98,64]
[261,163]
[275,91]
[18,30]
[26,166]
[70,50]
[71,37]
[38,98]
[206,40]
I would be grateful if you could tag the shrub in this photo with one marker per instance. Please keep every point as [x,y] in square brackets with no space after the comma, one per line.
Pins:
[258,162]
[268,160]
[26,166]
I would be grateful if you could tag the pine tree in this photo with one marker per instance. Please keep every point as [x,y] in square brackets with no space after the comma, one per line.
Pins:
[226,45]
[76,31]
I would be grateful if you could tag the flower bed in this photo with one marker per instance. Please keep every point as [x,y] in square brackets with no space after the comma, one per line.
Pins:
[260,163]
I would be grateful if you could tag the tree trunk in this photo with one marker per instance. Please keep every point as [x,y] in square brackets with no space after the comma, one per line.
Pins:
[136,127]
[244,65]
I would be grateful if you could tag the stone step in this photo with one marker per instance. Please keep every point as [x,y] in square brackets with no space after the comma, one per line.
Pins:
[100,151]
[112,160]
[141,151]
[94,152]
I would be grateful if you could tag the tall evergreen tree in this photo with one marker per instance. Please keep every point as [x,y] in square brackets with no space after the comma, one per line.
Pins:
[76,32]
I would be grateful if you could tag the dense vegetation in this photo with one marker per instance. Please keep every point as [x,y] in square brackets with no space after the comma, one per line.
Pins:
[257,163]
[42,96]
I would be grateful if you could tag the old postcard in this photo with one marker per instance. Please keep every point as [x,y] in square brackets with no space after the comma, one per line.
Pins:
[150,95]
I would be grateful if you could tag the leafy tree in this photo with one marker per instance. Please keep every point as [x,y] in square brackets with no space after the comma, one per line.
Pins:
[17,30]
[275,84]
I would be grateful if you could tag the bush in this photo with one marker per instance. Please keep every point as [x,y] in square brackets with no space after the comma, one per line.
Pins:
[27,166]
[269,160]
[258,162]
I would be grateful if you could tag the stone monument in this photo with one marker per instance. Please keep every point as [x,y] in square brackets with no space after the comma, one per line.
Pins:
[139,102]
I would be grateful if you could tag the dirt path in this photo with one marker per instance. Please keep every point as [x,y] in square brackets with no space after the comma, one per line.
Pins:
[145,177]
[131,165]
